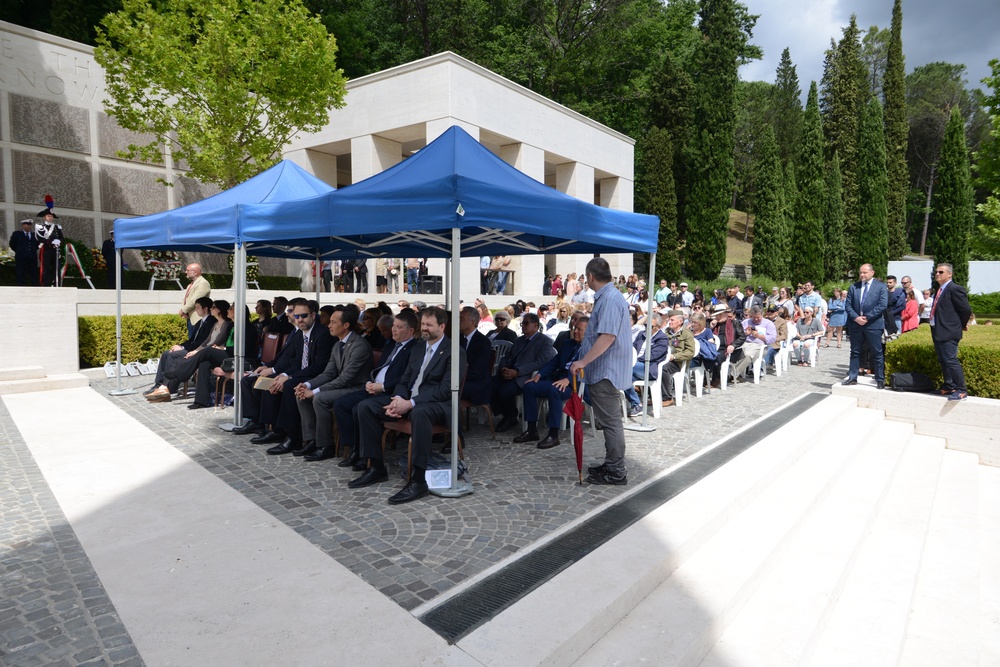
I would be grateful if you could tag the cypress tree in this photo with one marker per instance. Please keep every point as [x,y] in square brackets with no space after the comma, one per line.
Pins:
[808,232]
[952,205]
[848,82]
[710,160]
[769,230]
[657,197]
[871,241]
[787,108]
[896,131]
[835,256]
[791,209]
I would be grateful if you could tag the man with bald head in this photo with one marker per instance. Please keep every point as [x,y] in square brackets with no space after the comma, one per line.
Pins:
[197,288]
[867,300]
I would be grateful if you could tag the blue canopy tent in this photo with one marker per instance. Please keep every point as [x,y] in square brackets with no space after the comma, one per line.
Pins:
[452,197]
[212,225]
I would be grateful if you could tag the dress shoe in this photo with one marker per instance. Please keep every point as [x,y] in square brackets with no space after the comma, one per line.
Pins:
[160,395]
[371,476]
[151,389]
[549,442]
[506,424]
[849,381]
[596,470]
[351,459]
[527,436]
[667,403]
[608,478]
[417,488]
[246,429]
[879,384]
[361,465]
[196,406]
[267,438]
[321,454]
[305,449]
[286,447]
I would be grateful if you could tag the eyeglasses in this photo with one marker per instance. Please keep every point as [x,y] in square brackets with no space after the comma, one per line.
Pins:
[940,272]
[301,316]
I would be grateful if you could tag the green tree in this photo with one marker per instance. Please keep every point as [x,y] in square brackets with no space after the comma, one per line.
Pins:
[787,108]
[225,84]
[953,203]
[896,130]
[808,232]
[875,57]
[753,113]
[847,89]
[725,34]
[835,255]
[769,230]
[871,243]
[932,91]
[790,208]
[656,197]
[985,243]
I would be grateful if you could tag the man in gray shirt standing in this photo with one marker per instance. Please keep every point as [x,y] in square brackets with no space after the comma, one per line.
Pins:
[606,354]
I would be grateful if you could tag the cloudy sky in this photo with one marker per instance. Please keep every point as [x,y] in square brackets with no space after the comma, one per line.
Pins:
[954,31]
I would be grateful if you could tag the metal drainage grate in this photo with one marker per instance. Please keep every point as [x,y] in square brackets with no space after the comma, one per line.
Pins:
[463,613]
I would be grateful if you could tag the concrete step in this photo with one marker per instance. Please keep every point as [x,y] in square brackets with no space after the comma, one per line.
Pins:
[868,622]
[775,625]
[556,624]
[680,621]
[944,617]
[45,383]
[989,575]
[21,373]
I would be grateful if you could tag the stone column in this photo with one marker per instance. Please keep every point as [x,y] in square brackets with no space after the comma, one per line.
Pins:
[370,155]
[577,180]
[618,193]
[529,270]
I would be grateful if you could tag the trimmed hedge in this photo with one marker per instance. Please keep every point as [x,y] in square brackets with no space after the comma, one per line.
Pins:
[979,353]
[143,337]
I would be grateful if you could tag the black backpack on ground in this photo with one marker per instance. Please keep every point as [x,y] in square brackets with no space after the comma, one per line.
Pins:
[914,382]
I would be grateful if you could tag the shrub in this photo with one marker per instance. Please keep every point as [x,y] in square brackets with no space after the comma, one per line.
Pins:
[143,337]
[985,304]
[979,353]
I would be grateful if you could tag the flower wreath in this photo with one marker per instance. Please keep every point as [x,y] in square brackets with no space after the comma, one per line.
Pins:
[167,264]
[252,267]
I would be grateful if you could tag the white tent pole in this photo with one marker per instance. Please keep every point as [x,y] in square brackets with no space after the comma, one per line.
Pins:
[239,340]
[649,347]
[118,391]
[457,488]
[448,302]
[319,272]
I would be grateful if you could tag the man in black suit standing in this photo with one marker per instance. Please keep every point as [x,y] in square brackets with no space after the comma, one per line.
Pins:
[530,352]
[109,254]
[423,395]
[395,359]
[479,354]
[25,246]
[304,356]
[950,313]
[866,303]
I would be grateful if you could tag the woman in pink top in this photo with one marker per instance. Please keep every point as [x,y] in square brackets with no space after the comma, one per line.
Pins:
[910,316]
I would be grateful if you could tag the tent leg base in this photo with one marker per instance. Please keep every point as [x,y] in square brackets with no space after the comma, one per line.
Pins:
[461,488]
[644,428]
[229,426]
[122,392]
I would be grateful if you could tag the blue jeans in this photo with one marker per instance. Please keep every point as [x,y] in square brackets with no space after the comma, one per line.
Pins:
[411,279]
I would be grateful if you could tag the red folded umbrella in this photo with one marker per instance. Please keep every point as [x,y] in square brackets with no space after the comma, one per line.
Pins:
[574,408]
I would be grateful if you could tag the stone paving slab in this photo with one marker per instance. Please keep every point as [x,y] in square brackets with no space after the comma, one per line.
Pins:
[54,609]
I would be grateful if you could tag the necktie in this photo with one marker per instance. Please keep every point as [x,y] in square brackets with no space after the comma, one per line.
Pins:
[305,351]
[937,298]
[420,375]
[464,341]
[382,370]
[864,293]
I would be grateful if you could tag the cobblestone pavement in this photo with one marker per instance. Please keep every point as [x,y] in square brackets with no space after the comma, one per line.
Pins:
[53,608]
[411,553]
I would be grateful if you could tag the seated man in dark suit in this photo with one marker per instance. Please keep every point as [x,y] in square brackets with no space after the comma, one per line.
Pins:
[552,382]
[530,352]
[202,306]
[348,369]
[305,355]
[384,379]
[423,395]
[281,322]
[478,354]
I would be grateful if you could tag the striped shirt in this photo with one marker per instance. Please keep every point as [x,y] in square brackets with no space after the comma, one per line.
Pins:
[610,316]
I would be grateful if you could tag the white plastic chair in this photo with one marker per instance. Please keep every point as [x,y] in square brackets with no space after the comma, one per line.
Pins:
[680,379]
[655,388]
[781,360]
[696,372]
[723,368]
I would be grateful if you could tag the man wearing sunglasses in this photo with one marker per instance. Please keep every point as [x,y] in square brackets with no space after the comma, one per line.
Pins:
[950,314]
